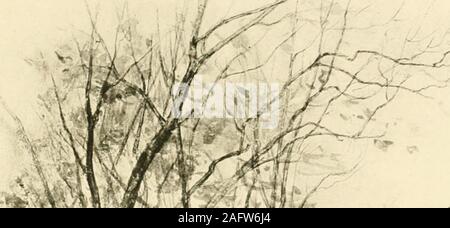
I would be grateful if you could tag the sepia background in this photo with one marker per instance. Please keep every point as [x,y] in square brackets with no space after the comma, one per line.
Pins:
[411,173]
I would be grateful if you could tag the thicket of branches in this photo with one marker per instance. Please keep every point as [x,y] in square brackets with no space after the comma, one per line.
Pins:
[111,138]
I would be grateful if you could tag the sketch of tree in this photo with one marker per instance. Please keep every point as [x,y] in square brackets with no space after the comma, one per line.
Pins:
[112,139]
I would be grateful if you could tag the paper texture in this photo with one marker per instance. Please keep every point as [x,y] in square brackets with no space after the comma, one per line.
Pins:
[332,103]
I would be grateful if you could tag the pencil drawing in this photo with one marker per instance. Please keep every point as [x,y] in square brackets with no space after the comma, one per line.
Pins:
[263,104]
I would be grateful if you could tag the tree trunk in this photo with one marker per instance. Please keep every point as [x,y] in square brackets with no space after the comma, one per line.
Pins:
[146,158]
[90,173]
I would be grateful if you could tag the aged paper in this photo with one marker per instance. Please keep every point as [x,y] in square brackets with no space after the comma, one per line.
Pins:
[236,104]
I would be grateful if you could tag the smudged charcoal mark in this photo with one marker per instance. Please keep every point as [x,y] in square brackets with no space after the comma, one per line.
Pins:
[209,139]
[297,191]
[60,58]
[351,102]
[383,145]
[344,117]
[16,202]
[360,117]
[214,128]
[413,149]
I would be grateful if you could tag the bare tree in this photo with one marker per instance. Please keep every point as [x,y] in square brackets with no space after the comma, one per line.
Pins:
[128,120]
